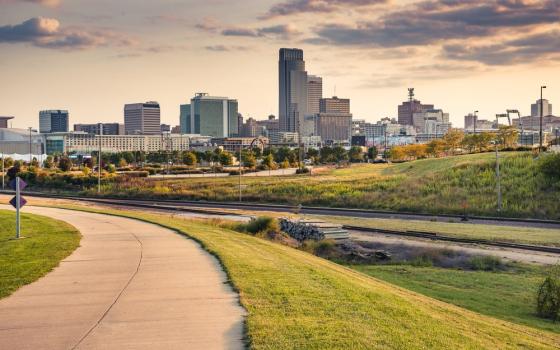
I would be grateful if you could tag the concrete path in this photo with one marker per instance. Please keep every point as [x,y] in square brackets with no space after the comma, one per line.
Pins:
[130,285]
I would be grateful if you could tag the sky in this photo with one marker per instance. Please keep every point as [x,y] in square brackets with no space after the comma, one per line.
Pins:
[93,56]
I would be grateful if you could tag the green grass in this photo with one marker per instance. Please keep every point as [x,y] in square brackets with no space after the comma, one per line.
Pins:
[445,185]
[527,235]
[298,301]
[506,295]
[23,261]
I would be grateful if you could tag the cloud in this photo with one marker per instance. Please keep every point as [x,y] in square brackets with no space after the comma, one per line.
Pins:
[225,48]
[533,47]
[48,3]
[315,6]
[282,31]
[47,33]
[433,21]
[209,24]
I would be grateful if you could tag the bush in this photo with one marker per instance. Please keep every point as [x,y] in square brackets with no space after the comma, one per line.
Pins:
[302,171]
[485,263]
[549,165]
[263,224]
[548,296]
[136,174]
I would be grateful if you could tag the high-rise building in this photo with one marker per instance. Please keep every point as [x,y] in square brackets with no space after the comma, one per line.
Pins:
[251,128]
[314,93]
[536,108]
[419,119]
[108,128]
[55,120]
[142,118]
[4,122]
[408,108]
[334,105]
[292,89]
[470,121]
[165,128]
[210,116]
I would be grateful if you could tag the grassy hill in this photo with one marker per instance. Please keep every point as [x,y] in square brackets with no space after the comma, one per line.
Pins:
[46,243]
[298,301]
[446,185]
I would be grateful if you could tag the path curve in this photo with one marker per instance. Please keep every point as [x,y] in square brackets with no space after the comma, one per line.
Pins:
[130,285]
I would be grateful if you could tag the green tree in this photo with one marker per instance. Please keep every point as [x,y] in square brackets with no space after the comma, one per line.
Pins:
[189,158]
[249,160]
[64,164]
[226,158]
[340,153]
[372,153]
[268,162]
[48,163]
[453,139]
[356,155]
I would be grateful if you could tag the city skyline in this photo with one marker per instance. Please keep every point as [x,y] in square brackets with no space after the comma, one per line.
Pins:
[122,53]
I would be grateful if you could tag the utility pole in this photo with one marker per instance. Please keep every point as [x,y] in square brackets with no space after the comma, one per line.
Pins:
[30,152]
[99,159]
[3,171]
[240,155]
[498,181]
[541,122]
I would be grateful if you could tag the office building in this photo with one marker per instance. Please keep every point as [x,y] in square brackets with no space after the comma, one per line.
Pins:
[4,122]
[420,119]
[407,109]
[176,129]
[108,128]
[334,105]
[19,142]
[210,115]
[55,120]
[142,118]
[270,125]
[536,108]
[292,81]
[165,128]
[82,143]
[251,128]
[314,93]
[331,127]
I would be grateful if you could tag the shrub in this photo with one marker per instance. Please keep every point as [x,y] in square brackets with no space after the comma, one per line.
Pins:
[485,263]
[302,171]
[550,166]
[263,224]
[136,174]
[548,296]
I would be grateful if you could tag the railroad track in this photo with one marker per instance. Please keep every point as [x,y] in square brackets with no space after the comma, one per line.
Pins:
[204,207]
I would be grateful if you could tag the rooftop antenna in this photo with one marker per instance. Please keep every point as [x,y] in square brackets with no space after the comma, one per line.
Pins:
[411,94]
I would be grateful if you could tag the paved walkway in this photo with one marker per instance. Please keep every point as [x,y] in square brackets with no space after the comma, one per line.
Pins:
[130,285]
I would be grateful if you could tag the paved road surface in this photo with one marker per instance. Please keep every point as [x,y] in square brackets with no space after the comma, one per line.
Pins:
[130,285]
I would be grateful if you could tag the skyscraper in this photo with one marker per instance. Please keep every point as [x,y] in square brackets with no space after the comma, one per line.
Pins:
[314,93]
[292,89]
[142,118]
[210,116]
[54,120]
[536,108]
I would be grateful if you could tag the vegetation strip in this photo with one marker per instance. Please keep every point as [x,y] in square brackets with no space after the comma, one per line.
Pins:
[23,261]
[297,300]
[437,237]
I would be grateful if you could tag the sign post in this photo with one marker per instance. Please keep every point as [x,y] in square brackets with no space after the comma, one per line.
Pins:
[18,202]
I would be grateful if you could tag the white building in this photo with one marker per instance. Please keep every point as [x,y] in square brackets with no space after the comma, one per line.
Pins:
[536,108]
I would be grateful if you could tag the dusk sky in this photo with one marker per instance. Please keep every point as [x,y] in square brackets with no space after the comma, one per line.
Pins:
[92,57]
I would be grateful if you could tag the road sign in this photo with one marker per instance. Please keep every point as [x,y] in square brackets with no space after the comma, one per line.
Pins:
[22,202]
[13,184]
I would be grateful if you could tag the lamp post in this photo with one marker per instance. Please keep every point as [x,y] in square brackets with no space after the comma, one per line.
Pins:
[3,170]
[30,153]
[240,155]
[541,121]
[99,160]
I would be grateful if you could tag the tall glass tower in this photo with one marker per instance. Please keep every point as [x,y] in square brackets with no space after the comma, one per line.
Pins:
[292,90]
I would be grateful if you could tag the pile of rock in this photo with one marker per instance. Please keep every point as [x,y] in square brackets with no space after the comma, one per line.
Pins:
[303,230]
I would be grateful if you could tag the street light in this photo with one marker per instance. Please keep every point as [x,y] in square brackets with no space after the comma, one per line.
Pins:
[30,153]
[541,122]
[99,160]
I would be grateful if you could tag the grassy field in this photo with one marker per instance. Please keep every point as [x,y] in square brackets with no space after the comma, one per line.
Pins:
[505,295]
[298,301]
[446,185]
[46,243]
[527,235]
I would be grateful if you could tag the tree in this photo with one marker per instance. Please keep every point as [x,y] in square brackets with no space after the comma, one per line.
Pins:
[453,140]
[86,171]
[285,164]
[397,153]
[436,147]
[249,160]
[189,158]
[226,158]
[340,153]
[48,162]
[372,153]
[14,170]
[34,162]
[327,155]
[64,164]
[268,162]
[507,135]
[122,163]
[356,154]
